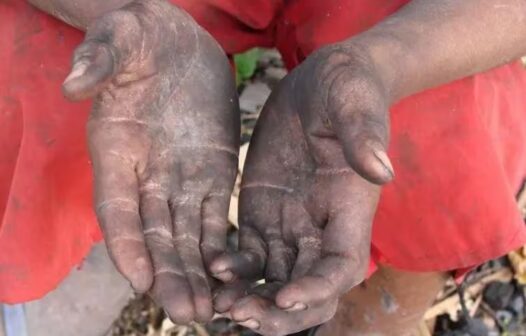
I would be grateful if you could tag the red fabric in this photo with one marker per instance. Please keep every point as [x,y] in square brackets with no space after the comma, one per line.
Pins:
[459,151]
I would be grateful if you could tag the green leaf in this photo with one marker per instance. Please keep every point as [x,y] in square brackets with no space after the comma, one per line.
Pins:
[246,64]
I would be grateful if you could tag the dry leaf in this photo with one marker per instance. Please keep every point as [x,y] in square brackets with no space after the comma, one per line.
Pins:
[243,150]
[518,262]
[200,330]
[451,304]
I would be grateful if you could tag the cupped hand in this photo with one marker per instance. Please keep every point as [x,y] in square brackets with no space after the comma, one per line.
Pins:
[163,138]
[308,199]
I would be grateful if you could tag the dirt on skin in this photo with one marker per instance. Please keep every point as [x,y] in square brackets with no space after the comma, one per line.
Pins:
[498,307]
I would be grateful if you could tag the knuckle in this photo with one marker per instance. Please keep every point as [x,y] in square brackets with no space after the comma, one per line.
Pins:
[199,276]
[159,233]
[186,239]
[155,189]
[118,203]
[186,200]
[212,247]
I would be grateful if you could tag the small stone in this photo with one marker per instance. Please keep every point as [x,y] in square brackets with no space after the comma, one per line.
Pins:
[498,294]
[254,97]
[504,317]
[517,305]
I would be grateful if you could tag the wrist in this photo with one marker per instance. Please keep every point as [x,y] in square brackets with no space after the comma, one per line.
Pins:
[78,14]
[387,57]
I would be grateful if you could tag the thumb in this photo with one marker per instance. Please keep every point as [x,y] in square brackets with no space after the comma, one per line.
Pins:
[357,107]
[363,136]
[94,64]
[109,43]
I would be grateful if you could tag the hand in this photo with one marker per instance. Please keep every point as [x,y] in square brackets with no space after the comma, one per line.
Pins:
[163,137]
[305,212]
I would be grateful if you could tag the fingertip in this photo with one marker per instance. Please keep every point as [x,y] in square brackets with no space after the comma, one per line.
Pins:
[303,293]
[220,263]
[227,295]
[203,310]
[388,170]
[180,315]
[288,296]
[74,90]
[141,278]
[202,298]
[78,70]
[93,67]
[173,292]
[371,163]
[225,276]
[251,308]
[230,267]
[74,87]
[251,324]
[220,268]
[242,310]
[297,307]
[222,303]
[71,92]
[132,261]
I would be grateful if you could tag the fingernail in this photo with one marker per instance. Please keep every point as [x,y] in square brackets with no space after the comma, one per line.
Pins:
[225,276]
[384,160]
[251,324]
[298,306]
[78,70]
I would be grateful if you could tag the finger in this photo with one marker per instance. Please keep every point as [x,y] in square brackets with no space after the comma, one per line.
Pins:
[187,233]
[94,64]
[307,236]
[343,262]
[109,44]
[309,251]
[116,201]
[244,310]
[280,260]
[215,227]
[228,294]
[171,289]
[259,314]
[248,263]
[364,136]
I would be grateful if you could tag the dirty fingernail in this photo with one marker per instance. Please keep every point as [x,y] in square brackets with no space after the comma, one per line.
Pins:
[225,276]
[298,306]
[251,324]
[384,160]
[78,70]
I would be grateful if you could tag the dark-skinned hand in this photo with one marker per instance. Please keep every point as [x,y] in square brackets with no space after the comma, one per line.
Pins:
[307,200]
[163,138]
